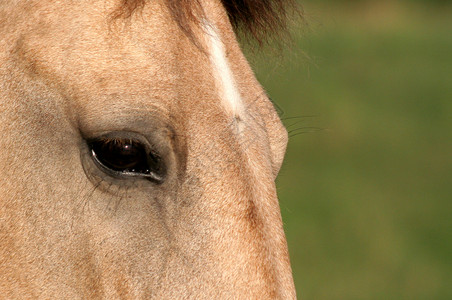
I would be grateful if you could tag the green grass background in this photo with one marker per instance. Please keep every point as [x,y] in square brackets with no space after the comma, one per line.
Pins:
[366,187]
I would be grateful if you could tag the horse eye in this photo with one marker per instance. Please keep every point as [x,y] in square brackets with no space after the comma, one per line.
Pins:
[127,157]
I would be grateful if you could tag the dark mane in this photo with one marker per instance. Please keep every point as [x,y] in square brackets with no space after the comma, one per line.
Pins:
[258,18]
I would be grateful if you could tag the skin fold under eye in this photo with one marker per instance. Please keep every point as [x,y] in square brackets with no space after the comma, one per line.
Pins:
[126,157]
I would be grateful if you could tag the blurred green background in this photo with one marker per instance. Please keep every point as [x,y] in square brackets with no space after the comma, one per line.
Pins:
[366,187]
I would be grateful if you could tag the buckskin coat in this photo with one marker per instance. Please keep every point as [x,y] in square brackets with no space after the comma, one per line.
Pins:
[138,152]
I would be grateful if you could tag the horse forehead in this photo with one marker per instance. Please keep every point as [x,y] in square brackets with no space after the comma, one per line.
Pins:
[69,42]
[145,54]
[146,63]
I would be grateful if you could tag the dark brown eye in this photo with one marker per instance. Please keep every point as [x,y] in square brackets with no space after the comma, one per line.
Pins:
[127,157]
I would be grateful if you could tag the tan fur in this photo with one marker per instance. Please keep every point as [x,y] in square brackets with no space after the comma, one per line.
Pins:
[212,230]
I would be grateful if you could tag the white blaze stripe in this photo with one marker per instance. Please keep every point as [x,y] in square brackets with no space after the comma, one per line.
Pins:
[224,78]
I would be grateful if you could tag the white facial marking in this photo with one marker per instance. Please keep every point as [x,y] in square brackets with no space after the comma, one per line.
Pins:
[224,78]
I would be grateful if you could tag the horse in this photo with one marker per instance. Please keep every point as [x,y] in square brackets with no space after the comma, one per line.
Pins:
[138,152]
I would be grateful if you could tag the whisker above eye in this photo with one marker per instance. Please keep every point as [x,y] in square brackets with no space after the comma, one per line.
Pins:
[303,130]
[299,117]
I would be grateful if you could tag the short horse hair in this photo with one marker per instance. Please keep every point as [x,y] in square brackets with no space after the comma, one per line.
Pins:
[258,18]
